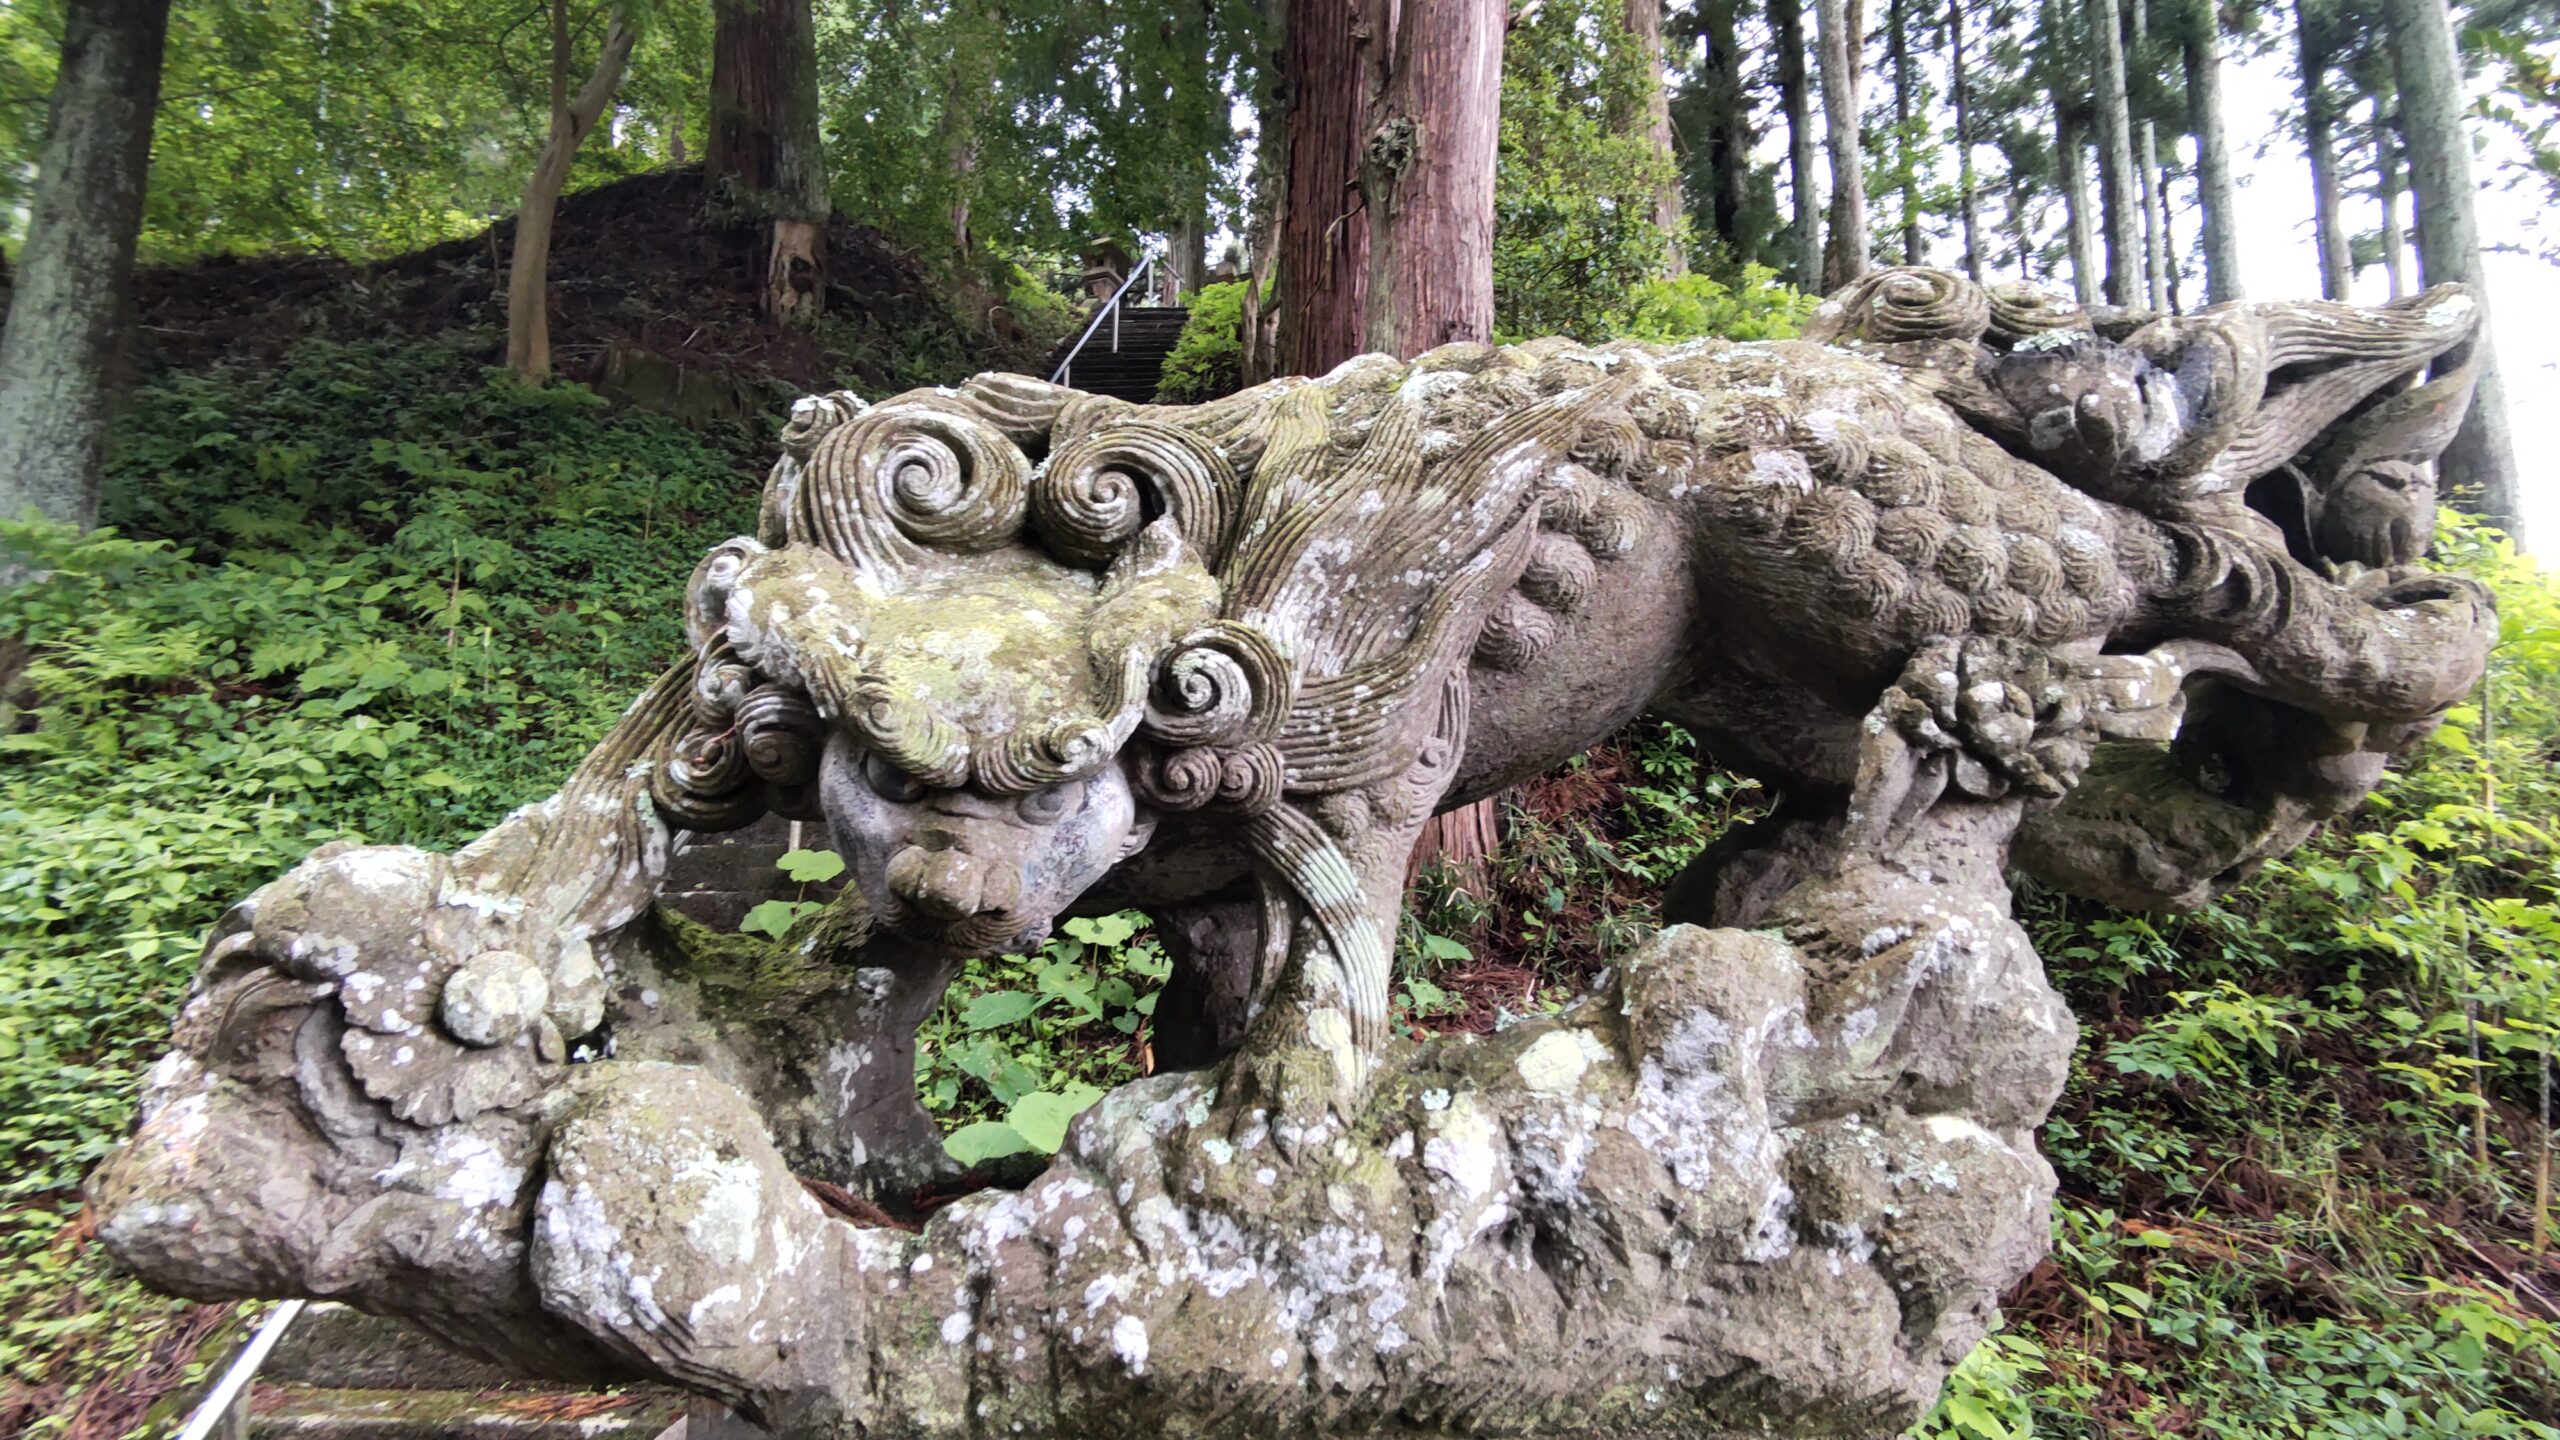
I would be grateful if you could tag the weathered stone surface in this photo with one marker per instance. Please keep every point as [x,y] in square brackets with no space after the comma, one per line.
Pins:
[1955,565]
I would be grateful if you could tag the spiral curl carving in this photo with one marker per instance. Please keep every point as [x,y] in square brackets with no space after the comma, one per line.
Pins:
[1902,304]
[812,416]
[706,595]
[934,478]
[1028,760]
[706,765]
[1097,492]
[1250,778]
[2021,312]
[1221,684]
[1180,779]
[780,734]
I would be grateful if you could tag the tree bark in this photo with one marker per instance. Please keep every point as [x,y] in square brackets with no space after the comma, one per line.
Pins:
[1728,125]
[2118,209]
[528,310]
[1426,171]
[2146,153]
[2386,166]
[2018,236]
[763,155]
[2201,42]
[1426,180]
[2319,141]
[1260,315]
[1670,212]
[1968,202]
[74,277]
[1324,230]
[2072,142]
[1898,51]
[2480,467]
[1786,20]
[1840,27]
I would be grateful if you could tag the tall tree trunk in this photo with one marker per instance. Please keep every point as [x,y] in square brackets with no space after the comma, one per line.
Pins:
[2169,265]
[2118,209]
[2201,41]
[528,267]
[764,157]
[1968,202]
[1840,27]
[2146,154]
[1786,20]
[75,274]
[1670,213]
[2070,135]
[2386,166]
[1426,177]
[1260,314]
[1728,125]
[2018,236]
[1189,237]
[2320,141]
[2481,464]
[1324,232]
[1898,48]
[1426,171]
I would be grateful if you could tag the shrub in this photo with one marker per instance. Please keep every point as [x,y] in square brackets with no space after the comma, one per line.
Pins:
[1208,361]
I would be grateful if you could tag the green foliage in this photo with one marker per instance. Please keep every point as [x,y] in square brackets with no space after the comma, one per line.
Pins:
[1022,1043]
[1208,360]
[376,592]
[1573,235]
[1752,306]
[365,129]
[2278,1215]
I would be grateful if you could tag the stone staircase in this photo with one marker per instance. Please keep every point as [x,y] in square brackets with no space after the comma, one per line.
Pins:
[1147,335]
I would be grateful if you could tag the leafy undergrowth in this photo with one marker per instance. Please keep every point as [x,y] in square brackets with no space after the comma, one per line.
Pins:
[372,592]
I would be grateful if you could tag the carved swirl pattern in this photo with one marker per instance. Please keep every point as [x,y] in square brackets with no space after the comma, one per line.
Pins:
[1905,304]
[1223,683]
[1098,491]
[908,474]
[2020,311]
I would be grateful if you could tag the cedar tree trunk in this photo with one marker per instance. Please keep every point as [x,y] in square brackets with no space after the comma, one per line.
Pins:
[1786,22]
[2201,41]
[1840,26]
[2480,467]
[764,156]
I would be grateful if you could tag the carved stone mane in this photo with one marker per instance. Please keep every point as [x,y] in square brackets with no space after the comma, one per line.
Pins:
[1970,578]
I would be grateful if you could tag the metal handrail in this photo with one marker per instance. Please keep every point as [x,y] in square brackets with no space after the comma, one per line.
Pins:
[1110,310]
[232,1389]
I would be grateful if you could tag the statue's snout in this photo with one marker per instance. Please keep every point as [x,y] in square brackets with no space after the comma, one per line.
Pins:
[952,884]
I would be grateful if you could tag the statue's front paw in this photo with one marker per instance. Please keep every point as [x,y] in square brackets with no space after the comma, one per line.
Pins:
[451,1005]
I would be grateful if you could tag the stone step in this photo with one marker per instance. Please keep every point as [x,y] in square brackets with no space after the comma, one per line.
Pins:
[520,1412]
[334,1347]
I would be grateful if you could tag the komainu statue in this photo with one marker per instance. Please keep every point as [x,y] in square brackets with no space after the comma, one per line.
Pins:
[1972,579]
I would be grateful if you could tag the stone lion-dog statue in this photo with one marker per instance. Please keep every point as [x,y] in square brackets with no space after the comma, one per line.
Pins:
[1968,578]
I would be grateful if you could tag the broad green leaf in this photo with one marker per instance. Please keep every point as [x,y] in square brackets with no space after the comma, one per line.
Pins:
[986,1140]
[1042,1115]
[998,1007]
[1103,930]
[807,866]
[774,917]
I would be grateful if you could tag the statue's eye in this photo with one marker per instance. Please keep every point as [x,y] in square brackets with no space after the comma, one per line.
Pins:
[1042,807]
[891,783]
